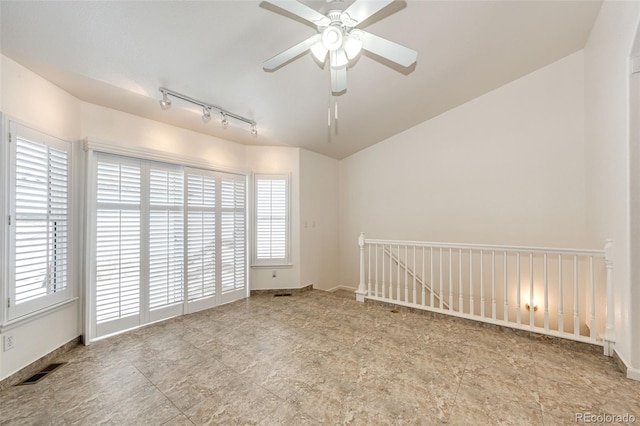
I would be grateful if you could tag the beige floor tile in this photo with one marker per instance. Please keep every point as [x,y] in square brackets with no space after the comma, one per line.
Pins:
[321,358]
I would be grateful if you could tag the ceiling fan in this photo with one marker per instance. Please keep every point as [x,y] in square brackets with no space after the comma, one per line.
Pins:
[340,39]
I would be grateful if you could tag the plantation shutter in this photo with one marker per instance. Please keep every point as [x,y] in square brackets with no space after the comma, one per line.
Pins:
[272,220]
[232,229]
[168,240]
[39,259]
[165,236]
[118,239]
[201,235]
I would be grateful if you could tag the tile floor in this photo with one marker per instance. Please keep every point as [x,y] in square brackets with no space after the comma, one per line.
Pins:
[322,358]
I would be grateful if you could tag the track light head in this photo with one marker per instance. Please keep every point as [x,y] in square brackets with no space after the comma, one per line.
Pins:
[254,130]
[224,121]
[206,114]
[165,103]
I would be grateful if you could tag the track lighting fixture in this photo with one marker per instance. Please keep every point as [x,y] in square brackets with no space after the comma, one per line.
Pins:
[165,103]
[206,114]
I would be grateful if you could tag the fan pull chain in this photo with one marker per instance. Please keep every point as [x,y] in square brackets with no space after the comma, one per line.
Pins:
[335,112]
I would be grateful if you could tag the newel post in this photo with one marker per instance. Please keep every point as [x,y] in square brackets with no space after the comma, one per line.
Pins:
[609,337]
[361,292]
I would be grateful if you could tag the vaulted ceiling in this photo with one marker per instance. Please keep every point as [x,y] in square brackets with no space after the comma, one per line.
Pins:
[117,54]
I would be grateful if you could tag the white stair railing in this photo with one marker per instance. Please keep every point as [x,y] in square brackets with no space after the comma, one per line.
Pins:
[544,290]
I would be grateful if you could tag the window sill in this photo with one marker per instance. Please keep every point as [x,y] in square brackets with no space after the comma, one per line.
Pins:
[274,265]
[11,324]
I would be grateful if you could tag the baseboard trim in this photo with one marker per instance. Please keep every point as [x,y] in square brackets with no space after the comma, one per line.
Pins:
[38,364]
[629,372]
[341,287]
[282,290]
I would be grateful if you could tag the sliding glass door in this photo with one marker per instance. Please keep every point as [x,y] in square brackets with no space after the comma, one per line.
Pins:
[168,240]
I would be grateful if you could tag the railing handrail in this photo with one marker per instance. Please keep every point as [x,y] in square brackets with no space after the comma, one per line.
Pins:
[501,248]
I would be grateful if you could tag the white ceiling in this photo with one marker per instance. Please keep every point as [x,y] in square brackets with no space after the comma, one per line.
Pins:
[117,54]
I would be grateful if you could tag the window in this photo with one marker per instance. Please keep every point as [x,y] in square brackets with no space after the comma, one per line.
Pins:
[39,229]
[271,220]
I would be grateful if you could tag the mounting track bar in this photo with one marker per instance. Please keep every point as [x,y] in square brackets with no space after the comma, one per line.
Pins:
[166,91]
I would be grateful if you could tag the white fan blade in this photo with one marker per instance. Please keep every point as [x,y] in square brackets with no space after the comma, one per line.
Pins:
[284,57]
[363,9]
[338,79]
[388,49]
[301,10]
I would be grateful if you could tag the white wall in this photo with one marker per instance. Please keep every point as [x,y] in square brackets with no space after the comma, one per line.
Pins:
[607,92]
[119,127]
[318,220]
[505,168]
[263,159]
[30,99]
[35,102]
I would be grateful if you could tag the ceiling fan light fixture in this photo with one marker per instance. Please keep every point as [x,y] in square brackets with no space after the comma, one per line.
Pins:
[353,45]
[319,52]
[332,38]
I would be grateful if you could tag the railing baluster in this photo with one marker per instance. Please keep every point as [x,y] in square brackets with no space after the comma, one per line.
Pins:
[593,301]
[518,312]
[406,275]
[609,337]
[560,297]
[384,289]
[424,279]
[376,284]
[471,302]
[450,283]
[460,297]
[532,308]
[369,270]
[481,285]
[576,305]
[398,277]
[431,302]
[414,275]
[505,291]
[440,294]
[493,284]
[390,272]
[546,294]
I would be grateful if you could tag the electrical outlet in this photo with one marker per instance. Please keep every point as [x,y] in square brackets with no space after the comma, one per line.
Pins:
[9,342]
[274,274]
